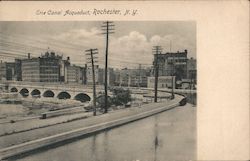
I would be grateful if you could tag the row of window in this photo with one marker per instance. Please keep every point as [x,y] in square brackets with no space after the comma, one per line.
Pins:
[49,71]
[49,76]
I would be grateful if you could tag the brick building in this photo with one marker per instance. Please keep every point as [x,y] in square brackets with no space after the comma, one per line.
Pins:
[7,70]
[42,69]
[75,74]
[172,64]
[132,77]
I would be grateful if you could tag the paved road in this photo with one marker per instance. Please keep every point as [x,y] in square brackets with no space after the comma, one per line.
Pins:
[167,136]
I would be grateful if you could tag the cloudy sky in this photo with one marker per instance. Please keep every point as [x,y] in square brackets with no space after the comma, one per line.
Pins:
[130,45]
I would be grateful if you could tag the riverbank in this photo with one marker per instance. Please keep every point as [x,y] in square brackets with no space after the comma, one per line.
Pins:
[37,138]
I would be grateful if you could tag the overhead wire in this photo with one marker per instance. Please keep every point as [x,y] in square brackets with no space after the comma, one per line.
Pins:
[24,46]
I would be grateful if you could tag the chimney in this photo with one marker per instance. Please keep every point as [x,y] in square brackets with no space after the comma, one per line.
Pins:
[185,50]
[28,55]
[68,58]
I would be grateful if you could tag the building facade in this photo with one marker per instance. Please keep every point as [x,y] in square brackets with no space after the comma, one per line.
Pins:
[100,75]
[191,69]
[2,70]
[31,70]
[42,69]
[172,64]
[132,77]
[46,68]
[89,75]
[75,74]
[7,70]
[110,76]
[163,82]
[18,69]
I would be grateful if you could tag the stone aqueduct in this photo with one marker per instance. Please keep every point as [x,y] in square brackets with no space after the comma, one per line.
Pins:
[77,92]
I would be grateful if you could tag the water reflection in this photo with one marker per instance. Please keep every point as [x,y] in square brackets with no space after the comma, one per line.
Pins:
[156,142]
[94,150]
[143,140]
[106,146]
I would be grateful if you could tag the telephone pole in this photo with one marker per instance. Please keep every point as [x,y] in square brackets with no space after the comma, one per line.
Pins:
[173,77]
[108,28]
[156,50]
[139,79]
[92,52]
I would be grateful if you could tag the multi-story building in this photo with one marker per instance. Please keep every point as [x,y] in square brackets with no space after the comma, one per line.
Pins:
[31,70]
[100,76]
[163,82]
[2,70]
[132,77]
[90,75]
[122,77]
[42,69]
[63,69]
[110,76]
[7,70]
[177,65]
[10,70]
[191,69]
[46,68]
[75,74]
[172,64]
[18,69]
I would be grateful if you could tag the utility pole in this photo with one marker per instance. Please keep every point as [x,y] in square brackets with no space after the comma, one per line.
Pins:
[64,71]
[170,46]
[92,52]
[156,50]
[108,28]
[120,78]
[173,80]
[139,79]
[129,79]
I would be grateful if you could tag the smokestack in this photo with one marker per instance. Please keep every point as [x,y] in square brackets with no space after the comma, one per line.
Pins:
[28,55]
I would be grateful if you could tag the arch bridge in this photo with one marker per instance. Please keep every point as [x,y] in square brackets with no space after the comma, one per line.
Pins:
[59,91]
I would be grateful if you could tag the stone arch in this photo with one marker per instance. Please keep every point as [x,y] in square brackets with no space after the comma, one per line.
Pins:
[48,93]
[24,92]
[63,95]
[13,89]
[82,97]
[36,93]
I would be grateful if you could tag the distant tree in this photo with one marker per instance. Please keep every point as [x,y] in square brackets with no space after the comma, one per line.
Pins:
[121,96]
[101,101]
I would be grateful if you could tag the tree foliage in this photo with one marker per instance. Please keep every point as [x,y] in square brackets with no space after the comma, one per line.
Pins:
[121,96]
[101,101]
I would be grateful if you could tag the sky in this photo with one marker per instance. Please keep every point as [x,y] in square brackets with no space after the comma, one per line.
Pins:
[129,46]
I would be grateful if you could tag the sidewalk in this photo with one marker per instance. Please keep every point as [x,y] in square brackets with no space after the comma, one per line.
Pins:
[9,128]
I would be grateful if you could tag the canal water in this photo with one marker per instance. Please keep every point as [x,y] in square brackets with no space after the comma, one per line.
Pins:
[167,136]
